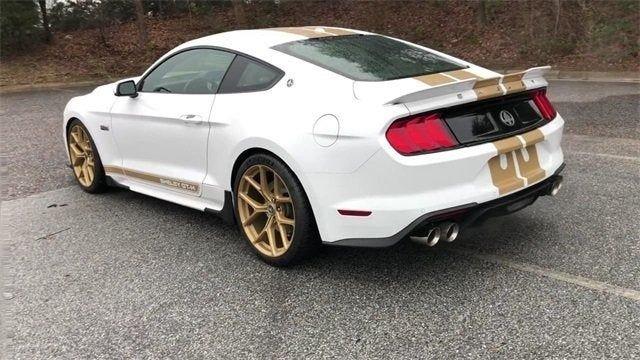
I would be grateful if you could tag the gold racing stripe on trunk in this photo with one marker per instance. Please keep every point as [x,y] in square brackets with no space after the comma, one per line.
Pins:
[163,181]
[513,82]
[519,155]
[463,75]
[434,79]
[487,88]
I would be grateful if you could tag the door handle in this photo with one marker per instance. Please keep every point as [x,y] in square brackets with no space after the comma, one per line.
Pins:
[190,119]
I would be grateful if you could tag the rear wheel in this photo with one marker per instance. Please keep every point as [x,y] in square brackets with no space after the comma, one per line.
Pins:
[273,212]
[85,160]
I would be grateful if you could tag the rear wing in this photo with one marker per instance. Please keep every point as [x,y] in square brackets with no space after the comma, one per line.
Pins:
[482,88]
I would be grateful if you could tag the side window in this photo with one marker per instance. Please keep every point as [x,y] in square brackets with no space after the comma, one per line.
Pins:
[197,71]
[248,75]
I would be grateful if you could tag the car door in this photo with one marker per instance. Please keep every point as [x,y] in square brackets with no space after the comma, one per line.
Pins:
[162,133]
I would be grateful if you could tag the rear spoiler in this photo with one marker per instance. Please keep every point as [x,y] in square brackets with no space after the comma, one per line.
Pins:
[483,88]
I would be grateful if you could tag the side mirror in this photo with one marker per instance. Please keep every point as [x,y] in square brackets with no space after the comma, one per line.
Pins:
[127,88]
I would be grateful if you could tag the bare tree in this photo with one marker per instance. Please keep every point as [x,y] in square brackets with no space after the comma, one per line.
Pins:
[140,22]
[481,12]
[45,20]
[238,11]
[557,7]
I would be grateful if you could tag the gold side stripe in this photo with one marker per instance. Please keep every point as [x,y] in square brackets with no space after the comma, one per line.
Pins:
[163,181]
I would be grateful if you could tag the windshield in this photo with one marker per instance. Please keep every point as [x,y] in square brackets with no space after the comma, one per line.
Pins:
[368,57]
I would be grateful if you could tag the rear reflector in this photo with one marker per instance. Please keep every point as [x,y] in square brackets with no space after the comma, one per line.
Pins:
[354,212]
[544,105]
[420,134]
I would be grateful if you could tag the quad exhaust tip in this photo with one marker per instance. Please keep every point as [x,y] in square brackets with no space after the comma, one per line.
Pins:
[430,239]
[555,188]
[450,231]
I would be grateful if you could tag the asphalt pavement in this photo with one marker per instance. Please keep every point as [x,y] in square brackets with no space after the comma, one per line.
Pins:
[122,275]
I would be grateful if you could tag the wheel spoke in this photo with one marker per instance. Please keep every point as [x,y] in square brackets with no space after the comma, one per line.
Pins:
[86,146]
[253,183]
[253,203]
[249,220]
[85,173]
[76,151]
[283,236]
[271,234]
[283,199]
[263,232]
[264,184]
[285,221]
[76,137]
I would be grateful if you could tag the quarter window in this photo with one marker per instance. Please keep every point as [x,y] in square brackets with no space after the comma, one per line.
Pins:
[248,75]
[197,71]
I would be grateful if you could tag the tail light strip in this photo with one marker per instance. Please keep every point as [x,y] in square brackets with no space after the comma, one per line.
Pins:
[426,133]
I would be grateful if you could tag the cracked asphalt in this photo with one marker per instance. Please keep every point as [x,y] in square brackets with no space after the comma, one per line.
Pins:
[122,275]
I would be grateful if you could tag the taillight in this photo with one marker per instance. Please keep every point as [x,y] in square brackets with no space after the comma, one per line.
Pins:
[420,134]
[544,105]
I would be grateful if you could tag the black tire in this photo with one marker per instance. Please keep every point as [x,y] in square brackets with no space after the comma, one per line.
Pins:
[99,182]
[305,240]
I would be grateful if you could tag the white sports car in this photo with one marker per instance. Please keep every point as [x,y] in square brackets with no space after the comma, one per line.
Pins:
[310,135]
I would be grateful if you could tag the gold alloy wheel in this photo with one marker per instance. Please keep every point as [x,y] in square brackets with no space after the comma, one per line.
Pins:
[266,210]
[81,154]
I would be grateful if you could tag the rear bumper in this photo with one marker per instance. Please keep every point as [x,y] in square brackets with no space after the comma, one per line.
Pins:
[466,215]
[399,190]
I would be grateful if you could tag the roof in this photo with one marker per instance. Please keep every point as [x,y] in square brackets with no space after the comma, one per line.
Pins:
[256,40]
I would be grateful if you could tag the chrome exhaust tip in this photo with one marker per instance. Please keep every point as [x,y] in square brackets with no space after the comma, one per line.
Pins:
[430,239]
[555,187]
[450,231]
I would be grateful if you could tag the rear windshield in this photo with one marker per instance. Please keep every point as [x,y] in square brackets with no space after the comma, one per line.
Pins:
[368,57]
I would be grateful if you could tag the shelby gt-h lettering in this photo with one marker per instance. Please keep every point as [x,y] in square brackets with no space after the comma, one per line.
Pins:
[320,134]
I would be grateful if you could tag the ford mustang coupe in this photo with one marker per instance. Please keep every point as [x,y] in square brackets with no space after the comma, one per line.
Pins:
[309,135]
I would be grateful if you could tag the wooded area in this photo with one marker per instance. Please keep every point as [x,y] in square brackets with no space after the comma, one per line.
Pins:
[81,39]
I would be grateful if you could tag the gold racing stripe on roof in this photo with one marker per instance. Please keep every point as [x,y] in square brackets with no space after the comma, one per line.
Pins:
[314,31]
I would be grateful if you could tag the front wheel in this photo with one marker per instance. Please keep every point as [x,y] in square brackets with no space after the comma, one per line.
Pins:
[273,212]
[85,160]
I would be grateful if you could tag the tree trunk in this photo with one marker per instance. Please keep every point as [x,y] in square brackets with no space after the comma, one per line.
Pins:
[140,22]
[557,6]
[481,12]
[45,20]
[238,11]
